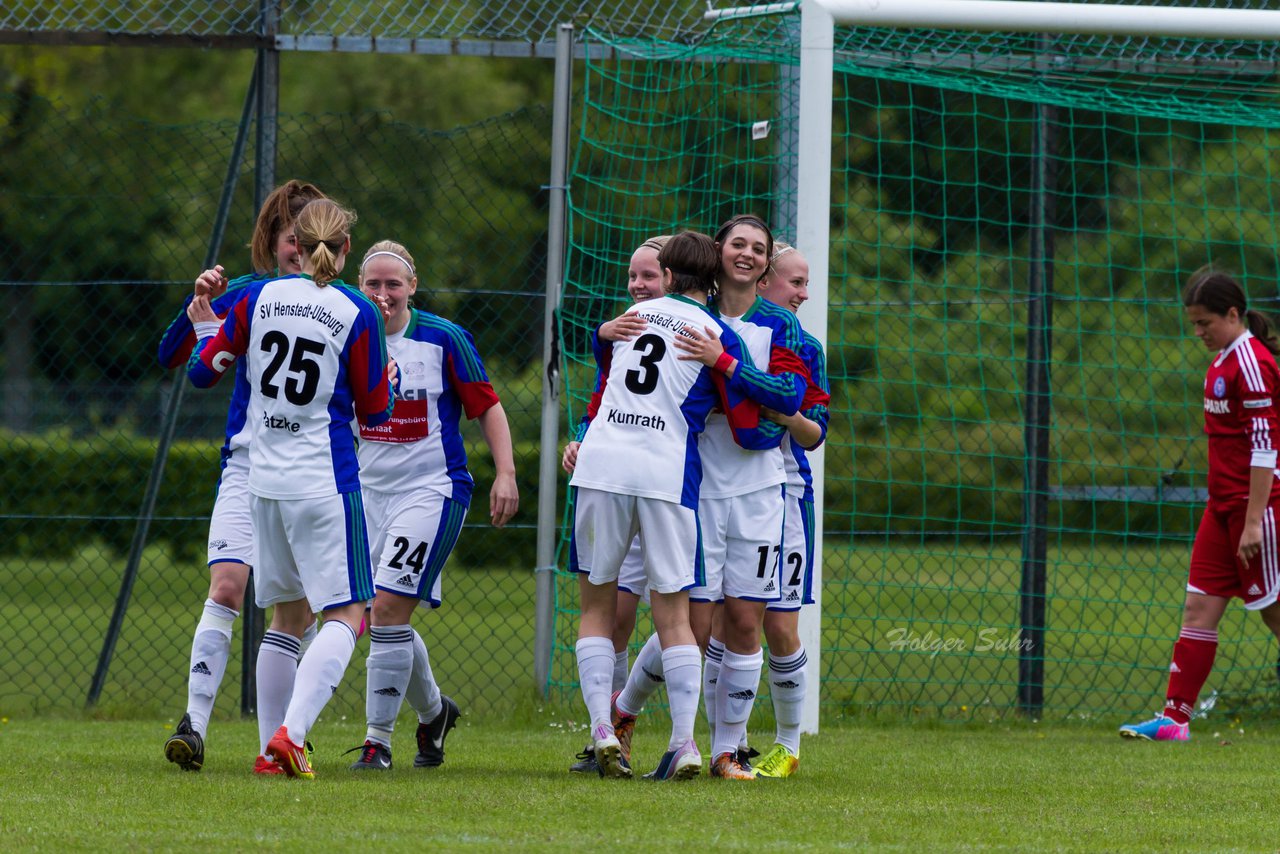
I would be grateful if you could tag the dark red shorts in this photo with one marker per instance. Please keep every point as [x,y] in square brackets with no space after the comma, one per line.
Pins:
[1215,569]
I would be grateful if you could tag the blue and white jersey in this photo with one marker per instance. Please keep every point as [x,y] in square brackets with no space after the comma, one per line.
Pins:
[317,359]
[649,407]
[776,377]
[441,378]
[817,397]
[180,339]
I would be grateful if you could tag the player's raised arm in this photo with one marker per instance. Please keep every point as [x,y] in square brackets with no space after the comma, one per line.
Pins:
[218,345]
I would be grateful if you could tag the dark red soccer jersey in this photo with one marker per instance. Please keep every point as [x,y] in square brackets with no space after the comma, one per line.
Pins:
[1240,418]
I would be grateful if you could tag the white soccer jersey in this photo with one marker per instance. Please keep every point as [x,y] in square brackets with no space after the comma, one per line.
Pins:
[316,356]
[441,379]
[650,406]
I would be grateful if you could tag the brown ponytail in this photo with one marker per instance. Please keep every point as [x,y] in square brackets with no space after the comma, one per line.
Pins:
[1218,292]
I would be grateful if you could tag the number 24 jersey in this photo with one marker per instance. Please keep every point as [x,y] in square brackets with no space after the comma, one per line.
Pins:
[649,407]
[317,359]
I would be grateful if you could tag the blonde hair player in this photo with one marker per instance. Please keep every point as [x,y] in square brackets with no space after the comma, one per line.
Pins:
[787,285]
[413,471]
[231,550]
[316,361]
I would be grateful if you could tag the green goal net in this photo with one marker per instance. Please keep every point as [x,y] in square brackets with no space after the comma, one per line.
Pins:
[1158,156]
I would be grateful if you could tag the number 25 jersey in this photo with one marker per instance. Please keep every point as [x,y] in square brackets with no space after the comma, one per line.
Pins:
[649,407]
[317,358]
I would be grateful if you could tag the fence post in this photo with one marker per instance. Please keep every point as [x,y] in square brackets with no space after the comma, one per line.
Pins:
[549,450]
[267,72]
[1036,426]
[169,419]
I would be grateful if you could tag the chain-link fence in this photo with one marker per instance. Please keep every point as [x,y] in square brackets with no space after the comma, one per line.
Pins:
[104,225]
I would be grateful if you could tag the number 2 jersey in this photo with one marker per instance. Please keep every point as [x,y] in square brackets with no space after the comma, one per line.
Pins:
[649,407]
[1240,418]
[317,359]
[441,378]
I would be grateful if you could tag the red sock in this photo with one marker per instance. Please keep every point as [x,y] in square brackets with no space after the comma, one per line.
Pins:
[1192,660]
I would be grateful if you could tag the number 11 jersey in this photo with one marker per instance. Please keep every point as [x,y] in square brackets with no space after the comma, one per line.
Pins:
[649,407]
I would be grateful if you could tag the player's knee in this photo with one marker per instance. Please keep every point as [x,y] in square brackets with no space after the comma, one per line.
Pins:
[390,609]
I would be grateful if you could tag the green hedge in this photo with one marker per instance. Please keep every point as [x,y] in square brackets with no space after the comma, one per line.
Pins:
[62,491]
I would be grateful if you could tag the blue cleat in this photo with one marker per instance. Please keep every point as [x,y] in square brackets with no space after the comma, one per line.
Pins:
[1159,728]
[683,763]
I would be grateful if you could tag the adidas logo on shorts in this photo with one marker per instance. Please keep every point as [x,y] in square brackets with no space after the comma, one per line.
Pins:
[793,596]
[405,581]
[1254,590]
[769,588]
[202,669]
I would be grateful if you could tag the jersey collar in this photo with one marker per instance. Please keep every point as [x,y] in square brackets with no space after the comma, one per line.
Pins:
[1230,348]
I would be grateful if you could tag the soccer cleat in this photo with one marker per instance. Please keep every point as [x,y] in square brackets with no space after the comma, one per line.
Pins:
[624,726]
[373,757]
[609,756]
[745,755]
[778,762]
[586,763]
[1159,728]
[266,767]
[292,758]
[726,765]
[683,763]
[431,735]
[185,748]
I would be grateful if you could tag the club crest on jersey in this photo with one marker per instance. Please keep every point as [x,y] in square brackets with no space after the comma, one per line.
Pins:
[414,369]
[1220,388]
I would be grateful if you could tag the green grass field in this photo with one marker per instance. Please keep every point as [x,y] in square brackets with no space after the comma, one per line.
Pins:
[932,787]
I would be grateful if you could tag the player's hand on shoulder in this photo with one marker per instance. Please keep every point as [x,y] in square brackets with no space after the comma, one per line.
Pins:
[622,328]
[211,283]
[570,459]
[200,311]
[699,347]
[504,499]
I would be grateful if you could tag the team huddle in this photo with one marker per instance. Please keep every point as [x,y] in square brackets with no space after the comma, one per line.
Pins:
[344,486]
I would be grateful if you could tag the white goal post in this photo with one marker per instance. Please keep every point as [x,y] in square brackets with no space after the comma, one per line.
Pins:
[818,19]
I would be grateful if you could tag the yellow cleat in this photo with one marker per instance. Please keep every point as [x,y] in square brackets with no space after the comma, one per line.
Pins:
[778,762]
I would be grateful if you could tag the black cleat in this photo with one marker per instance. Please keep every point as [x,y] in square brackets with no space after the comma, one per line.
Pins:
[586,763]
[185,748]
[431,735]
[373,757]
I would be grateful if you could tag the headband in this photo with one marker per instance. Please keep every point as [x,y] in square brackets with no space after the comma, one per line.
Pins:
[782,251]
[403,260]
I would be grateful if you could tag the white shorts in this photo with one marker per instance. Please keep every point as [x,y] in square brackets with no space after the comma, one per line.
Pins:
[797,556]
[605,524]
[231,525]
[741,539]
[631,576]
[312,548]
[412,534]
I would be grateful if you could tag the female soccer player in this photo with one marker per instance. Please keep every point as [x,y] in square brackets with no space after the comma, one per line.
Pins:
[787,285]
[742,499]
[647,397]
[413,471]
[316,360]
[231,543]
[1234,554]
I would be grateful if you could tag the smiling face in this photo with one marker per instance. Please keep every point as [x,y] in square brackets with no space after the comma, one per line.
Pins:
[288,261]
[1215,331]
[389,278]
[743,257]
[787,283]
[644,275]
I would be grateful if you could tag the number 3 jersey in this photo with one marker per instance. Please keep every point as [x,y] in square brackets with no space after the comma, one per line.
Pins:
[649,407]
[317,359]
[441,378]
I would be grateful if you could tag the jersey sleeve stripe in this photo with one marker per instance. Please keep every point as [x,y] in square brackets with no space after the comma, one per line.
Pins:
[1249,368]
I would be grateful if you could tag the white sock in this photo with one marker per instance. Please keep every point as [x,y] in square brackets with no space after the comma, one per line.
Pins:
[595,674]
[682,665]
[389,668]
[619,670]
[644,679]
[424,693]
[319,675]
[735,695]
[210,649]
[277,669]
[711,678]
[308,636]
[787,685]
